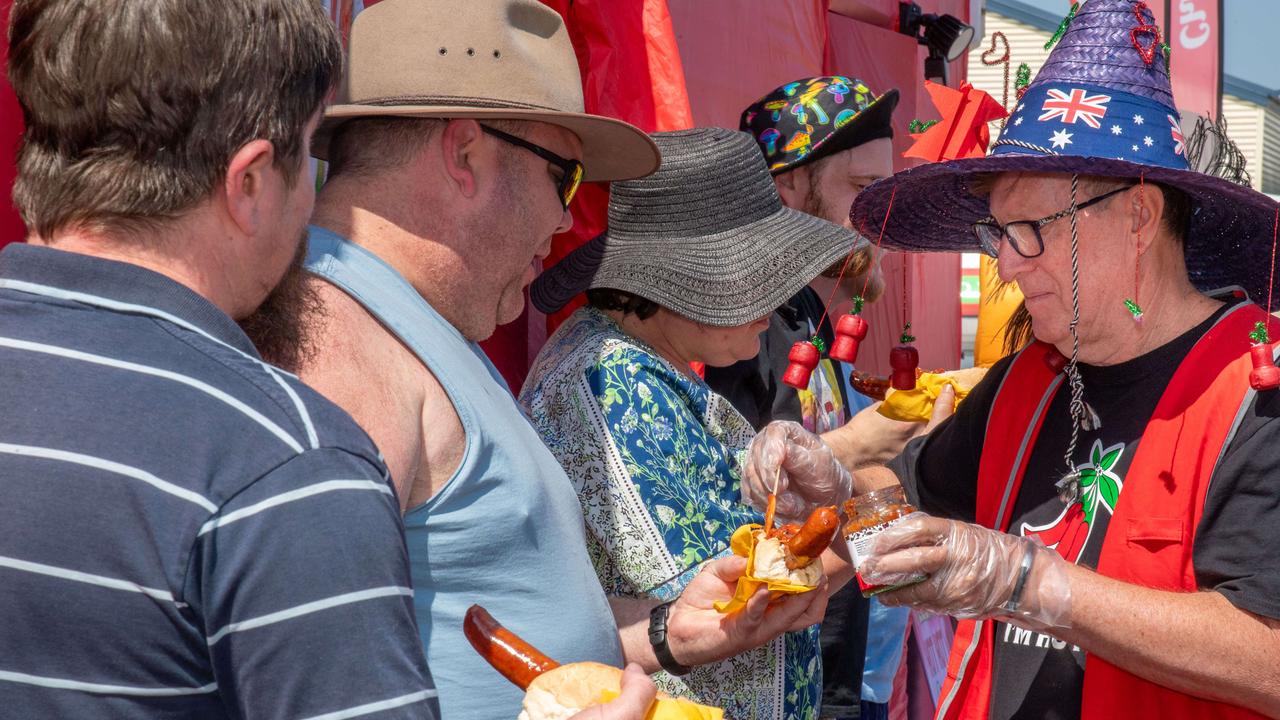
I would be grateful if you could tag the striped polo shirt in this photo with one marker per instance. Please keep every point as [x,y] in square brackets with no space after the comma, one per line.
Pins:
[185,531]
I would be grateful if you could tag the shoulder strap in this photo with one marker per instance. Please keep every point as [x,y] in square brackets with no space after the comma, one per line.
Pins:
[1012,426]
[1014,422]
[966,691]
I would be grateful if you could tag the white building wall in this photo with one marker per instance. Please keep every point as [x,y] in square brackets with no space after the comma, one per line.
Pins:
[1269,182]
[1244,127]
[1026,45]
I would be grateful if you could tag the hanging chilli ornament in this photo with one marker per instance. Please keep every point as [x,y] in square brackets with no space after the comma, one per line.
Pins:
[851,330]
[1062,27]
[1265,375]
[904,360]
[1022,81]
[1134,309]
[1167,52]
[804,357]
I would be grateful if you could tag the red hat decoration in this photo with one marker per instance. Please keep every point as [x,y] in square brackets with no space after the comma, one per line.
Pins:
[963,132]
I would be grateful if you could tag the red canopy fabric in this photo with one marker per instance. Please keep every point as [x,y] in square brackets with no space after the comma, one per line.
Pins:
[11,227]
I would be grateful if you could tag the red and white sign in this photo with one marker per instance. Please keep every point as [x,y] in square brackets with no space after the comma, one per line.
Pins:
[1195,35]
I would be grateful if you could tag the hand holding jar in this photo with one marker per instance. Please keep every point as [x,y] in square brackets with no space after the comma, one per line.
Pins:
[804,470]
[972,572]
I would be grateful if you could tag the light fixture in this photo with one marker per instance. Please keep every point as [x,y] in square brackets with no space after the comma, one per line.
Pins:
[946,36]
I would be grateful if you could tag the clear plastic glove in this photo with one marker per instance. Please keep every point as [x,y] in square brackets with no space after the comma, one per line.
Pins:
[972,572]
[806,470]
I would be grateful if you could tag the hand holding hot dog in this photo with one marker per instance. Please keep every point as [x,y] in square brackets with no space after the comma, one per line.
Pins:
[699,634]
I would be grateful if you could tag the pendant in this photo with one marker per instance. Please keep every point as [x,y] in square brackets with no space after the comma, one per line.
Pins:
[1134,309]
[1090,422]
[1069,487]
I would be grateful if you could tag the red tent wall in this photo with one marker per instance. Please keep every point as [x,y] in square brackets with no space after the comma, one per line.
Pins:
[11,227]
[736,50]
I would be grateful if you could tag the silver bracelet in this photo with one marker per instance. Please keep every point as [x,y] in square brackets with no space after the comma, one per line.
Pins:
[1015,598]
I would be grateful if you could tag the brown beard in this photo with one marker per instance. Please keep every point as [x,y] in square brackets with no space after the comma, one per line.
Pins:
[278,328]
[853,268]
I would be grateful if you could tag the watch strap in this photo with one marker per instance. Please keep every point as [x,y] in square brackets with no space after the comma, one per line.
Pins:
[658,639]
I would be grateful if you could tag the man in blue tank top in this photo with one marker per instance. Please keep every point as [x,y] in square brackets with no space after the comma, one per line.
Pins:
[455,147]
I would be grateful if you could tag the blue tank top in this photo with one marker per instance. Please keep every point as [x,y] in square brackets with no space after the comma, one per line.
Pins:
[506,531]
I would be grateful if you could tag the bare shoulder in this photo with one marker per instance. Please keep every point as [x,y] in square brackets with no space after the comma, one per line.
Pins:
[372,375]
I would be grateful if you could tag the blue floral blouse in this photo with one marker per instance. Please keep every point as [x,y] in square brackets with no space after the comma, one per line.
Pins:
[654,456]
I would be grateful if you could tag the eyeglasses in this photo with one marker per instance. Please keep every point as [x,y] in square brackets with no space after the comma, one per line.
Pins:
[571,170]
[1024,235]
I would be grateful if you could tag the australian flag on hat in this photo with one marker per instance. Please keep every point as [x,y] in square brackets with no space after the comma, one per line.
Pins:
[1103,93]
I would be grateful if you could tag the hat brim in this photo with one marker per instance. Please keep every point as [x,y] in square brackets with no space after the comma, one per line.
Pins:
[702,278]
[933,209]
[611,149]
[853,133]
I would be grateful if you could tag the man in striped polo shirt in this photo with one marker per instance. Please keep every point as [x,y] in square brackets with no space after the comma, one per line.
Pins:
[185,531]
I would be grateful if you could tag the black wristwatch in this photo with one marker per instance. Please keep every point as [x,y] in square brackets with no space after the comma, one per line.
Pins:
[658,639]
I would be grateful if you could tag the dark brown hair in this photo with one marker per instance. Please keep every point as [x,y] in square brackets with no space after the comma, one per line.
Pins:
[623,301]
[367,145]
[134,108]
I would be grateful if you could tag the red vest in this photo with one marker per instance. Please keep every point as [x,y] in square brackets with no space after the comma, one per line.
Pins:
[1150,537]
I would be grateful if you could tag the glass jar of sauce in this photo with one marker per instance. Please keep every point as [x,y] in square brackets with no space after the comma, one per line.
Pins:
[868,515]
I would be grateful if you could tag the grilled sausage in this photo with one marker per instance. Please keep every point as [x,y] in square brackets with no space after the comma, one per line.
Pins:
[814,536]
[517,660]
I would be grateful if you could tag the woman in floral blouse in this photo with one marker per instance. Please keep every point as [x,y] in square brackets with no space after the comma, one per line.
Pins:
[697,257]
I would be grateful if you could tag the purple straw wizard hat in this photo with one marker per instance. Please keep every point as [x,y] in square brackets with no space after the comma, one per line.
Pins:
[1097,107]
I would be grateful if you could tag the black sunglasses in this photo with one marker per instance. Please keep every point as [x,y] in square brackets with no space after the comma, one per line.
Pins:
[571,170]
[1024,235]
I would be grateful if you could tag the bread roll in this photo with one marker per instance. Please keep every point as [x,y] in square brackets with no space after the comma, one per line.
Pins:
[561,693]
[771,564]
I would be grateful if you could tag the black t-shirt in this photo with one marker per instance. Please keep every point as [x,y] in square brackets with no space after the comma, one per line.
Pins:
[1035,675]
[754,387]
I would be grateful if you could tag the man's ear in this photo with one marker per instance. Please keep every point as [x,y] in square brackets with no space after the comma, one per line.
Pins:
[793,186]
[461,149]
[245,185]
[1146,210]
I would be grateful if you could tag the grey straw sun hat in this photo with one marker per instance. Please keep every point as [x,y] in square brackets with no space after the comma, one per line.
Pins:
[706,236]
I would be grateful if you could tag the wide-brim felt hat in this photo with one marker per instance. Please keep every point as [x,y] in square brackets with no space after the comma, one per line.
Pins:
[1096,108]
[706,236]
[804,121]
[480,59]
